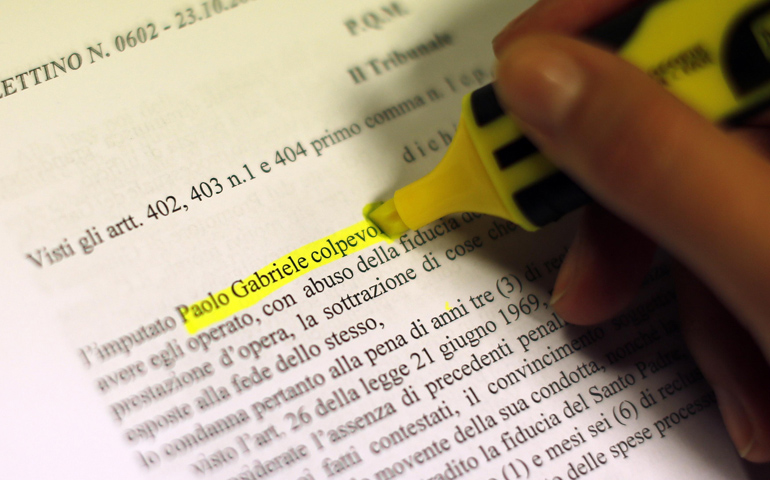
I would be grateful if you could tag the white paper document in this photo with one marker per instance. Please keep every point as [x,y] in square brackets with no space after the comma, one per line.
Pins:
[211,160]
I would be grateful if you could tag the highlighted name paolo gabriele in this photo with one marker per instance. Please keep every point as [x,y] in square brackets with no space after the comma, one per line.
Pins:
[247,291]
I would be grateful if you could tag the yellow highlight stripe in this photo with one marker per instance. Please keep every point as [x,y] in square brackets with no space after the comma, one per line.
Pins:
[244,293]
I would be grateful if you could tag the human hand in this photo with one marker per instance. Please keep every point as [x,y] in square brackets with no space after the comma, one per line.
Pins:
[668,177]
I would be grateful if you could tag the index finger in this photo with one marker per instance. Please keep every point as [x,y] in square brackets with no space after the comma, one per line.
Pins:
[568,17]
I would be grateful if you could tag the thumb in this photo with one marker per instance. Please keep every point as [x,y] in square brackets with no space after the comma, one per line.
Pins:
[651,160]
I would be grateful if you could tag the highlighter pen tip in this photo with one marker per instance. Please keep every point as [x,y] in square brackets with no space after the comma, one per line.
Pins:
[387,219]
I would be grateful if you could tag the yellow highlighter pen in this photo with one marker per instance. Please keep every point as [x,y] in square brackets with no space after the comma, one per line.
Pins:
[713,54]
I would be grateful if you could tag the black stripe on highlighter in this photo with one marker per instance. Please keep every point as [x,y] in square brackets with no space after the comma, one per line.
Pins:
[513,152]
[485,106]
[550,199]
[616,32]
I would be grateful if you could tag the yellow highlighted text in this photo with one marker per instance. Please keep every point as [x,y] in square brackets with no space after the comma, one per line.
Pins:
[245,292]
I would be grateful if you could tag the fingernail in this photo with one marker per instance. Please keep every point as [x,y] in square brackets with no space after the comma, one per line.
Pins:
[737,422]
[568,267]
[510,27]
[539,84]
